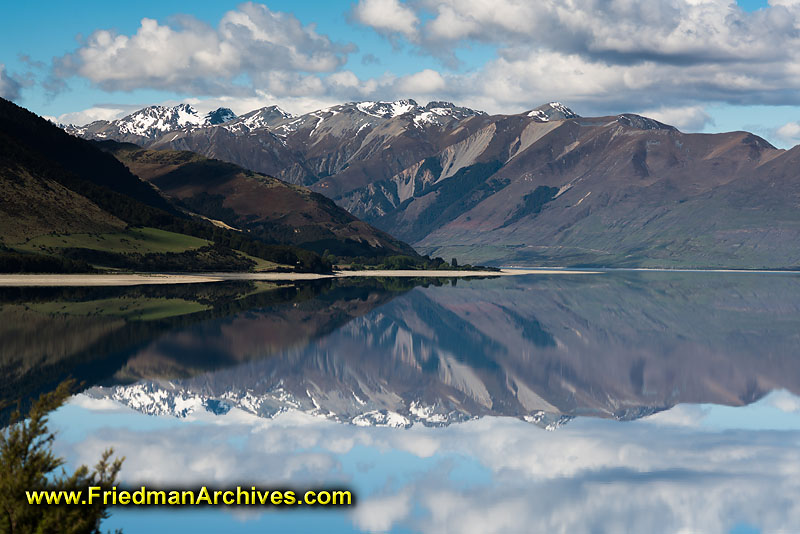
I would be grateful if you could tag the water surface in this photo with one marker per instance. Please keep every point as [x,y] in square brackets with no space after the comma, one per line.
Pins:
[619,402]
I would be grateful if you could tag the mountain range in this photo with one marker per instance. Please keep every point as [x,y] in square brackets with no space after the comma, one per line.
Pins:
[151,122]
[542,187]
[67,204]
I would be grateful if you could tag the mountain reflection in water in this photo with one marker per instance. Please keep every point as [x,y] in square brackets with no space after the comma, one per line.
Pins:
[392,352]
[90,333]
[296,385]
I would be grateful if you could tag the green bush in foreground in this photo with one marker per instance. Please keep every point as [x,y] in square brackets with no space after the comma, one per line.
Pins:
[27,463]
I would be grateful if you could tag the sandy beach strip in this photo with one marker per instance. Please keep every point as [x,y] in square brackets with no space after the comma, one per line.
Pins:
[460,274]
[11,280]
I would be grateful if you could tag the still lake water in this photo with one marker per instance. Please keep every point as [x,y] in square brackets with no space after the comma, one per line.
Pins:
[616,402]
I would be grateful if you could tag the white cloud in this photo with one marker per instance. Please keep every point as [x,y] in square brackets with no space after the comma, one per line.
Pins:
[193,57]
[682,31]
[457,20]
[387,16]
[449,24]
[666,53]
[789,132]
[686,118]
[783,400]
[686,415]
[96,113]
[9,87]
[348,86]
[428,82]
[666,58]
[379,514]
[99,405]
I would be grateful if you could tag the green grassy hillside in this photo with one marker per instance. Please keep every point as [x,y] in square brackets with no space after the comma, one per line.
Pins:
[135,240]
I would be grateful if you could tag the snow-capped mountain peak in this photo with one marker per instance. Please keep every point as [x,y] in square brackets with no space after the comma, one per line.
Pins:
[152,122]
[439,112]
[159,119]
[265,117]
[185,114]
[218,116]
[552,111]
[387,110]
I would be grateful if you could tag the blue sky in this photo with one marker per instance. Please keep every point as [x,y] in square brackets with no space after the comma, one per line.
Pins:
[702,66]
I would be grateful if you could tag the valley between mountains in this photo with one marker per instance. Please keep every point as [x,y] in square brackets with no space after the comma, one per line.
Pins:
[541,188]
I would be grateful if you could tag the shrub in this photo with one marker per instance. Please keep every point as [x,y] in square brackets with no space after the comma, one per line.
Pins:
[27,463]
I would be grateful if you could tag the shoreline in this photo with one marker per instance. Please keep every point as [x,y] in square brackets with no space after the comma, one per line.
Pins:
[134,279]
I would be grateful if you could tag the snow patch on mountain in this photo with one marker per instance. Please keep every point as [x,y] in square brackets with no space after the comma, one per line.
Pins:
[164,398]
[77,131]
[548,421]
[428,414]
[154,120]
[382,418]
[219,116]
[319,118]
[442,113]
[149,398]
[552,111]
[387,110]
[538,114]
[642,123]
[257,119]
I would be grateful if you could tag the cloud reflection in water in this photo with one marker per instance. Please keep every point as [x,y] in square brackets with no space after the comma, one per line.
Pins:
[676,472]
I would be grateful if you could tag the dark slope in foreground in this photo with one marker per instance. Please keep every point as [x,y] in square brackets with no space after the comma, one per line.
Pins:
[30,138]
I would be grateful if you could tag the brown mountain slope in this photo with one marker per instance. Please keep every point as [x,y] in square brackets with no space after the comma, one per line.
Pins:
[264,206]
[624,194]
